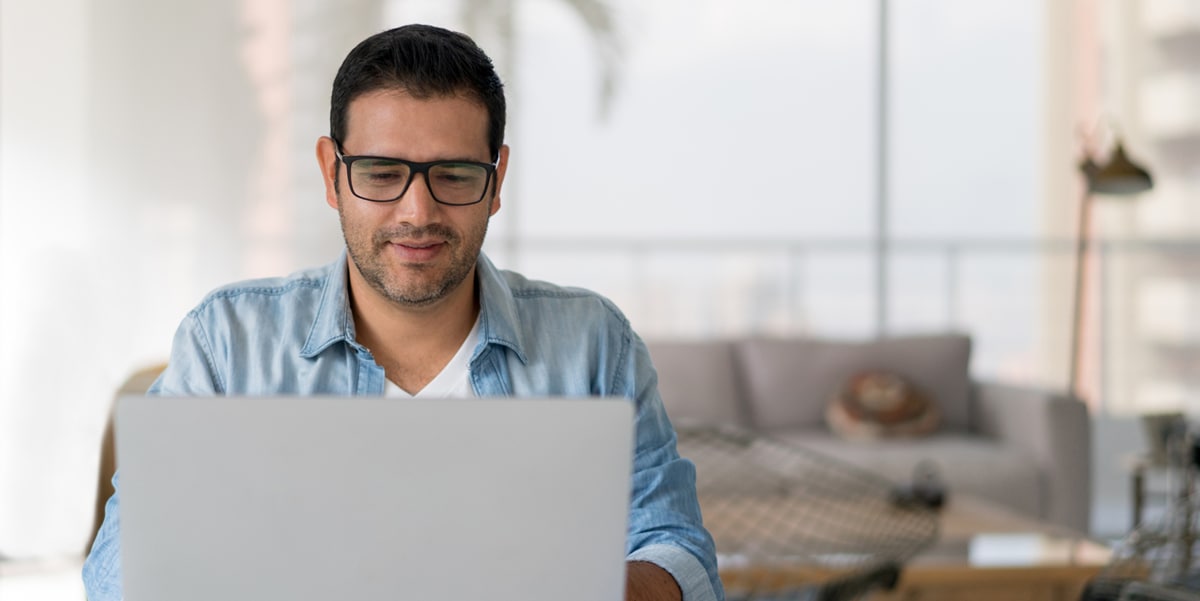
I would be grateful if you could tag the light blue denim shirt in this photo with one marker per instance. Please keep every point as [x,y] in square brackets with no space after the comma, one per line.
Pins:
[536,339]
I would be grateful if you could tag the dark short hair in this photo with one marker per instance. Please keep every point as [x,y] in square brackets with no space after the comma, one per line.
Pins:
[426,62]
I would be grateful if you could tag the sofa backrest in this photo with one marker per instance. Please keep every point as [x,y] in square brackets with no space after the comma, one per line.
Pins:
[789,382]
[698,382]
[779,384]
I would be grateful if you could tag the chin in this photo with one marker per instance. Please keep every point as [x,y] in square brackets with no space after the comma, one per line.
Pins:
[418,296]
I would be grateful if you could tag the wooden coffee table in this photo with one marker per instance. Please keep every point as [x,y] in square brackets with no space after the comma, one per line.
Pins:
[984,552]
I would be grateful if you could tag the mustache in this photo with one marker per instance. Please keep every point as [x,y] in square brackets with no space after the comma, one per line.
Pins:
[403,231]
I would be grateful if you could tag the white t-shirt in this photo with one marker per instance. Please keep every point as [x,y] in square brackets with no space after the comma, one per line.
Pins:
[454,381]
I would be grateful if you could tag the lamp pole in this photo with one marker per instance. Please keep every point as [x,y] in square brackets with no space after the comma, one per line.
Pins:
[1082,235]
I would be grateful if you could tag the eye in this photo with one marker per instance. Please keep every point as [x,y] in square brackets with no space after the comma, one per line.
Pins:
[459,174]
[380,172]
[383,176]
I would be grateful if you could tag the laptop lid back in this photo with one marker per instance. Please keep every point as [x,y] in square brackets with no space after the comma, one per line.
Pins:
[317,498]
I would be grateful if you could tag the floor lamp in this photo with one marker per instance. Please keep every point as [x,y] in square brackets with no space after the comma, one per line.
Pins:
[1119,176]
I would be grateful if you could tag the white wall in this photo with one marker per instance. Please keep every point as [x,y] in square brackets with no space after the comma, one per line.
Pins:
[148,152]
[47,266]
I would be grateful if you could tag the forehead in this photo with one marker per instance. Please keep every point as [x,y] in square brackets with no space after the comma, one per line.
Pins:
[396,123]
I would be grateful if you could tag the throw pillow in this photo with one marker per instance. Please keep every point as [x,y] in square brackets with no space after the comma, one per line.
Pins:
[881,404]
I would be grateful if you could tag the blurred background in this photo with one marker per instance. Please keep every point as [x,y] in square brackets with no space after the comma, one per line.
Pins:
[717,167]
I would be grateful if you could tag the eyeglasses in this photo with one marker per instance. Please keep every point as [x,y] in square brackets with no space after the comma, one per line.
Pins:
[384,179]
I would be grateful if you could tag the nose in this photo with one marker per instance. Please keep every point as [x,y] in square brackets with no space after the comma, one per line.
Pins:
[417,205]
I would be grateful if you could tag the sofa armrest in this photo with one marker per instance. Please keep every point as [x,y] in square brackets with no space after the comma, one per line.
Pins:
[1056,431]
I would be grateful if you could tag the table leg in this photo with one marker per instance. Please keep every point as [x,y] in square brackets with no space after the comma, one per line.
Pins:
[1138,484]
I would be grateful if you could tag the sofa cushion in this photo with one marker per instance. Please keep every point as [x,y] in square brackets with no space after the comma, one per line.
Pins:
[788,382]
[967,464]
[697,381]
[881,404]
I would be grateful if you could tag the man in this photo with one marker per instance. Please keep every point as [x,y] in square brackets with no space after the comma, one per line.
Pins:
[414,165]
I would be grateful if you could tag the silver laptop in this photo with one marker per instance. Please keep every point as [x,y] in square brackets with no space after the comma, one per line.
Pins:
[318,498]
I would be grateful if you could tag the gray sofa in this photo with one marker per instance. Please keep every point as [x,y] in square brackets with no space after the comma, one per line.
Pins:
[1022,448]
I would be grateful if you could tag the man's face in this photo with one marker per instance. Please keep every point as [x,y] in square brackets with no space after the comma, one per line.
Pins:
[412,251]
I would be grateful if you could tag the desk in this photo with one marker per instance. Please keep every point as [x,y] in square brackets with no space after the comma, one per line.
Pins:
[984,552]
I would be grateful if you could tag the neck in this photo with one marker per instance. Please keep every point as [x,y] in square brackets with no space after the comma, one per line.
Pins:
[411,343]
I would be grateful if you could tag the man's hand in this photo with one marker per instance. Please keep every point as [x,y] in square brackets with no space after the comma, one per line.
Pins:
[645,581]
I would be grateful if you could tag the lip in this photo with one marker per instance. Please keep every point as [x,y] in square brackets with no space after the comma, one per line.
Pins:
[417,251]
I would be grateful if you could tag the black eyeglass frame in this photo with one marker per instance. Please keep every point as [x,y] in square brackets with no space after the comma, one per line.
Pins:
[413,169]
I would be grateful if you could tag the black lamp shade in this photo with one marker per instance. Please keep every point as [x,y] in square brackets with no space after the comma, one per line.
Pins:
[1119,176]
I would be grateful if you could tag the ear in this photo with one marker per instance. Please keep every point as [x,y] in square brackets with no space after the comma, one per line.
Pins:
[328,162]
[501,169]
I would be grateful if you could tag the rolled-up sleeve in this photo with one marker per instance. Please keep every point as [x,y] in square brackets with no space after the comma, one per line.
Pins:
[665,525]
[693,579]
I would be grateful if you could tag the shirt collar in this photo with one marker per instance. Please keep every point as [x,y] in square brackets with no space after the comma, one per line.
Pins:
[334,321]
[500,323]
